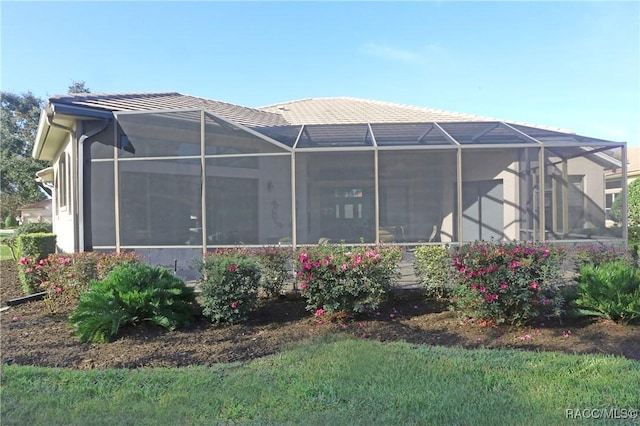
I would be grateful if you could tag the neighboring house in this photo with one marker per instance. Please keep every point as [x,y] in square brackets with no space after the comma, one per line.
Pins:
[172,176]
[36,212]
[613,178]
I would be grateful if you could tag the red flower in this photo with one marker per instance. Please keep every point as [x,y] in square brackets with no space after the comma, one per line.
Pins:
[233,268]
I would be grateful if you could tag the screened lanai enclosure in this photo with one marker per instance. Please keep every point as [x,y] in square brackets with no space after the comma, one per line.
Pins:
[174,184]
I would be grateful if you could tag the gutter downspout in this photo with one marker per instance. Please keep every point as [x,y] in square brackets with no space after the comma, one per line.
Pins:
[78,242]
[79,188]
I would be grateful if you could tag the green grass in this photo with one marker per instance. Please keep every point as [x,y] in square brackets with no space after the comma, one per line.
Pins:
[335,381]
[5,252]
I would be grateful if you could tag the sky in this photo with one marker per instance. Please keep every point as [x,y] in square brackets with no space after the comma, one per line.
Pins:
[573,65]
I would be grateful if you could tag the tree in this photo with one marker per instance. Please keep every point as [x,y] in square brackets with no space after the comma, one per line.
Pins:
[19,116]
[78,87]
[633,204]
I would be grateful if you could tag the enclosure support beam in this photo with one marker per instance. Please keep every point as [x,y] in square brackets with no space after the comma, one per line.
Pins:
[565,196]
[543,170]
[459,193]
[376,169]
[203,183]
[625,193]
[116,186]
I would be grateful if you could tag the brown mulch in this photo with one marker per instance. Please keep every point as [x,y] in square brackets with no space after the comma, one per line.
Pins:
[30,335]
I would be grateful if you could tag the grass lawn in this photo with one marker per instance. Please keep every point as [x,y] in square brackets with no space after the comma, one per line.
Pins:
[5,253]
[334,381]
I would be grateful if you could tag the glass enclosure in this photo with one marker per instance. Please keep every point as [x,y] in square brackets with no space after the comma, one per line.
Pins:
[174,184]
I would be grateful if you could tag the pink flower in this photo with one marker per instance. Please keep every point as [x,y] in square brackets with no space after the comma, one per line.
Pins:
[525,337]
[534,285]
[546,301]
[317,263]
[307,266]
[325,262]
[27,270]
[546,253]
[234,305]
[491,297]
[24,261]
[319,312]
[483,289]
[343,267]
[58,290]
[474,286]
[503,286]
[303,285]
[515,264]
[232,268]
[303,257]
[566,334]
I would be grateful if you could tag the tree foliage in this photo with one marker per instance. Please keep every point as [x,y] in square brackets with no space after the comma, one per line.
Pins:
[19,117]
[78,87]
[633,204]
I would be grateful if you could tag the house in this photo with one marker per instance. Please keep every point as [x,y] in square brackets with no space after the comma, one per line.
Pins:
[613,178]
[36,212]
[172,176]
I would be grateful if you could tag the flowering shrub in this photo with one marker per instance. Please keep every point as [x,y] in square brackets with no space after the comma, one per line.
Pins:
[229,284]
[597,254]
[335,278]
[512,283]
[65,276]
[32,271]
[108,261]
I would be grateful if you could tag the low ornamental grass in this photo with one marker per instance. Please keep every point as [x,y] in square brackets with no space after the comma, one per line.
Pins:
[507,283]
[349,280]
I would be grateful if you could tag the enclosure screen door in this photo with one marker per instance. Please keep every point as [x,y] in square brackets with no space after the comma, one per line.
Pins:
[483,210]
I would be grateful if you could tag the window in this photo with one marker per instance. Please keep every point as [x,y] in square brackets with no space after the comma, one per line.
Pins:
[63,181]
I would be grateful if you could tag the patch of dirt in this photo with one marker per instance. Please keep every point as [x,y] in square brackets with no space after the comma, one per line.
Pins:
[32,336]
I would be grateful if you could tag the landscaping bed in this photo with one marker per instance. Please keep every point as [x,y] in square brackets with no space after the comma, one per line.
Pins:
[32,336]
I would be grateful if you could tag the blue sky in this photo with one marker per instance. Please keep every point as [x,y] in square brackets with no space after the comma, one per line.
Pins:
[573,65]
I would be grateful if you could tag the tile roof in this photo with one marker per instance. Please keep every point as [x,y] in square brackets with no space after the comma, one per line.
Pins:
[37,205]
[330,110]
[169,100]
[344,110]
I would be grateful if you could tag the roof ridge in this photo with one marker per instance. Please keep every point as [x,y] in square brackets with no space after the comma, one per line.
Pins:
[108,95]
[227,103]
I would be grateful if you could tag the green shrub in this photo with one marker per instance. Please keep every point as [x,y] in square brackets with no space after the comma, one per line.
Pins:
[229,285]
[597,254]
[633,205]
[27,228]
[273,263]
[513,283]
[339,279]
[610,290]
[131,294]
[432,266]
[33,249]
[10,221]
